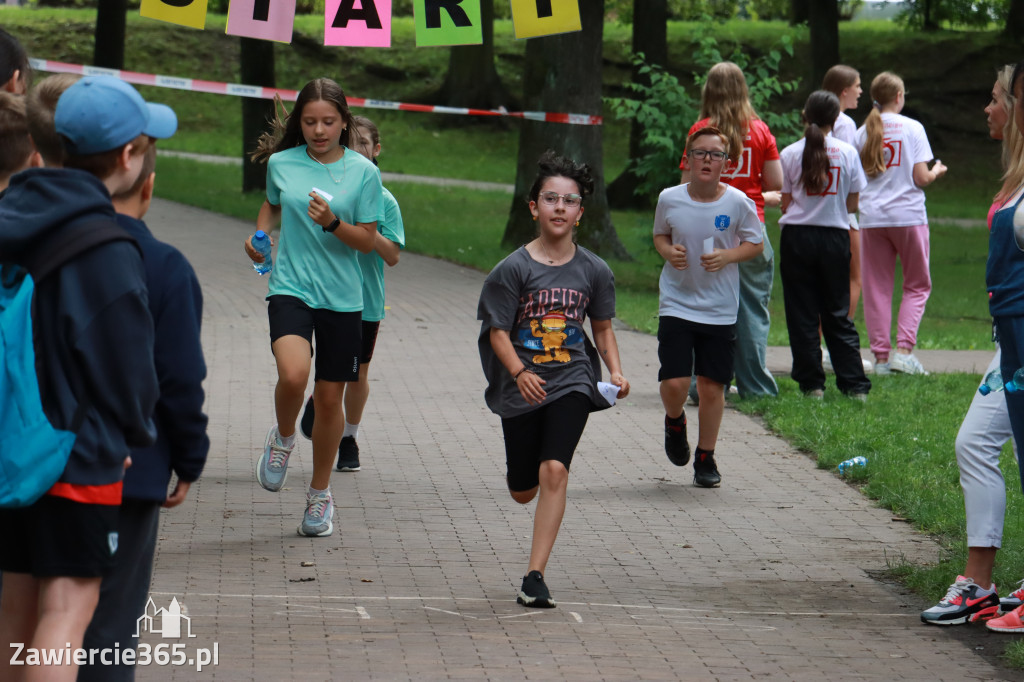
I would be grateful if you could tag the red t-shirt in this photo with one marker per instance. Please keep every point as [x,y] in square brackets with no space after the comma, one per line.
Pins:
[758,147]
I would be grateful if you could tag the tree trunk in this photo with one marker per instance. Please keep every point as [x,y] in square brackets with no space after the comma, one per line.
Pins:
[563,73]
[650,36]
[1015,21]
[108,45]
[824,29]
[257,68]
[799,11]
[472,80]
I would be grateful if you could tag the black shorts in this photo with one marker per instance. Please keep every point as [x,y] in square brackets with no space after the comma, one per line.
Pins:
[370,330]
[57,537]
[682,345]
[338,335]
[551,431]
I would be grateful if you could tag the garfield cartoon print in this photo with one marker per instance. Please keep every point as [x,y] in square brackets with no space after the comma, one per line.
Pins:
[550,335]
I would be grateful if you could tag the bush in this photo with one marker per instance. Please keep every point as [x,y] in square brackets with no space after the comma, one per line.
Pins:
[665,110]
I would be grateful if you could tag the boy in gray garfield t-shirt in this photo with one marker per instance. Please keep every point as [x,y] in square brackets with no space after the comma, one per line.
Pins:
[702,229]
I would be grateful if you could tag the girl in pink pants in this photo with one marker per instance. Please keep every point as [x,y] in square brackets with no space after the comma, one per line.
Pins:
[895,153]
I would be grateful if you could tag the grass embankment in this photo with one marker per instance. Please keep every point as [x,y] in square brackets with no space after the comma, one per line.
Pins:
[907,428]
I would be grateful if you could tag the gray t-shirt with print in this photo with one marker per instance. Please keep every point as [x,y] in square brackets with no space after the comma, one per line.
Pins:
[544,307]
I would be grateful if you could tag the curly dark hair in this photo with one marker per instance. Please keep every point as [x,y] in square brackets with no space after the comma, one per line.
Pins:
[554,166]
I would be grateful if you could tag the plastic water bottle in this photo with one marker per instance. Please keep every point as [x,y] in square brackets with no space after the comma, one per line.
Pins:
[993,382]
[848,464]
[261,242]
[1016,383]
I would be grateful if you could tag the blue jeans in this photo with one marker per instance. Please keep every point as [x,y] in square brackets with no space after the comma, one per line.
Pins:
[753,379]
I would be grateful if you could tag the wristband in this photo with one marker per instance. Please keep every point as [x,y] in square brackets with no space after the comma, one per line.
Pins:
[515,378]
[334,225]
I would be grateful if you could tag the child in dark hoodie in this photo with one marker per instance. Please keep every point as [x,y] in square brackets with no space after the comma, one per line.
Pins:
[94,344]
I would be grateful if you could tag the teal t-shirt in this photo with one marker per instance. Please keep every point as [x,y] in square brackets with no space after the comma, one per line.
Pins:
[312,265]
[389,224]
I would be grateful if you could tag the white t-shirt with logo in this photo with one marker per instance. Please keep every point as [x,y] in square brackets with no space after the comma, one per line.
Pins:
[695,294]
[892,199]
[845,129]
[828,209]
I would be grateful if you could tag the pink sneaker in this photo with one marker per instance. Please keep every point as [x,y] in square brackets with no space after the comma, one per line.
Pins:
[1011,622]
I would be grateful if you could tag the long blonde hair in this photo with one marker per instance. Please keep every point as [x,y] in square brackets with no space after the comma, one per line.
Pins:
[885,88]
[725,100]
[1013,140]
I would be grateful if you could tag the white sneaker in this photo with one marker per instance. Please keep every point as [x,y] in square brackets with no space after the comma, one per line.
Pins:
[868,367]
[826,361]
[906,364]
[882,368]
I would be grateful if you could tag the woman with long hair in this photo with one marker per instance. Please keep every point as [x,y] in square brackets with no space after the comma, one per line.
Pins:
[1004,279]
[844,82]
[821,181]
[895,153]
[985,429]
[753,168]
[325,199]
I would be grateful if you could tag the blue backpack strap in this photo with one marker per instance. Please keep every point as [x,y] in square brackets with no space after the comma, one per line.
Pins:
[62,249]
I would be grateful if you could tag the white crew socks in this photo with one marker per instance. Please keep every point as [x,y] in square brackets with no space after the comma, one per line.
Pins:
[351,430]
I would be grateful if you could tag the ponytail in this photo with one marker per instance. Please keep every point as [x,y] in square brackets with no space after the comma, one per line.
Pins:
[885,89]
[872,154]
[821,110]
[814,165]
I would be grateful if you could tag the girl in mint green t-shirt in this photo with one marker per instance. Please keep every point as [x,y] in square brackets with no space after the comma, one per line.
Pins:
[325,199]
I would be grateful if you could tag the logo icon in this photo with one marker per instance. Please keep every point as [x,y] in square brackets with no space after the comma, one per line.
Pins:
[164,622]
[722,222]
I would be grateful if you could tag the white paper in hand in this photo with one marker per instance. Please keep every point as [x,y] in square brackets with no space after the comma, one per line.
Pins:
[709,245]
[327,197]
[609,391]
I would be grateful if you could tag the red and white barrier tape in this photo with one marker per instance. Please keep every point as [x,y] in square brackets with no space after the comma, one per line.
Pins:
[260,92]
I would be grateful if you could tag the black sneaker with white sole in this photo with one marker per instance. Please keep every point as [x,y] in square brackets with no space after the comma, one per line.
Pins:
[535,593]
[348,454]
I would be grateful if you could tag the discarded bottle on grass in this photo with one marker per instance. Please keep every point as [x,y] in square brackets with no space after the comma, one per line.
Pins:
[993,382]
[261,242]
[1016,383]
[852,463]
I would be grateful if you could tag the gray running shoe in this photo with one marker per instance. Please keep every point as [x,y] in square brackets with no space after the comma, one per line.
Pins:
[906,364]
[272,466]
[316,522]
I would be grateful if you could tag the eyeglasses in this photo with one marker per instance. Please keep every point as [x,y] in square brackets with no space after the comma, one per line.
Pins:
[551,199]
[701,154]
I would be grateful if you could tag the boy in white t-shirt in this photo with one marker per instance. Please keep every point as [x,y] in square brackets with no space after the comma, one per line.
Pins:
[712,227]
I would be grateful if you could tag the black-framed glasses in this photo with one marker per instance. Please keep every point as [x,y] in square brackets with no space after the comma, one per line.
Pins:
[551,199]
[701,154]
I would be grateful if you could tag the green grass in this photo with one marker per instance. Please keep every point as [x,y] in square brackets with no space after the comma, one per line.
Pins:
[911,467]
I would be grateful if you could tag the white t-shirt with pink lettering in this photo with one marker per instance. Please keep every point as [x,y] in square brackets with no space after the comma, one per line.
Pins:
[892,199]
[829,208]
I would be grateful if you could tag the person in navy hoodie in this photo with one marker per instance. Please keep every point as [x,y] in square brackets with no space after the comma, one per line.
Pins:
[176,303]
[94,346]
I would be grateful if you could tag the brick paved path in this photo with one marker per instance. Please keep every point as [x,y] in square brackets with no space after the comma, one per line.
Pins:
[768,577]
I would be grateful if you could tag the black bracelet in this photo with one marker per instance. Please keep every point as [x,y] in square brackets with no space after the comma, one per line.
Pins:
[333,225]
[515,378]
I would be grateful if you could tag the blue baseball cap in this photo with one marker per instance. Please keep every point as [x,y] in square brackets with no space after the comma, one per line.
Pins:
[100,113]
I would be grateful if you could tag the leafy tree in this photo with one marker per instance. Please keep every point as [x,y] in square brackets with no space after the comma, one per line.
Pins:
[472,80]
[665,109]
[650,37]
[563,73]
[257,68]
[929,15]
[108,46]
